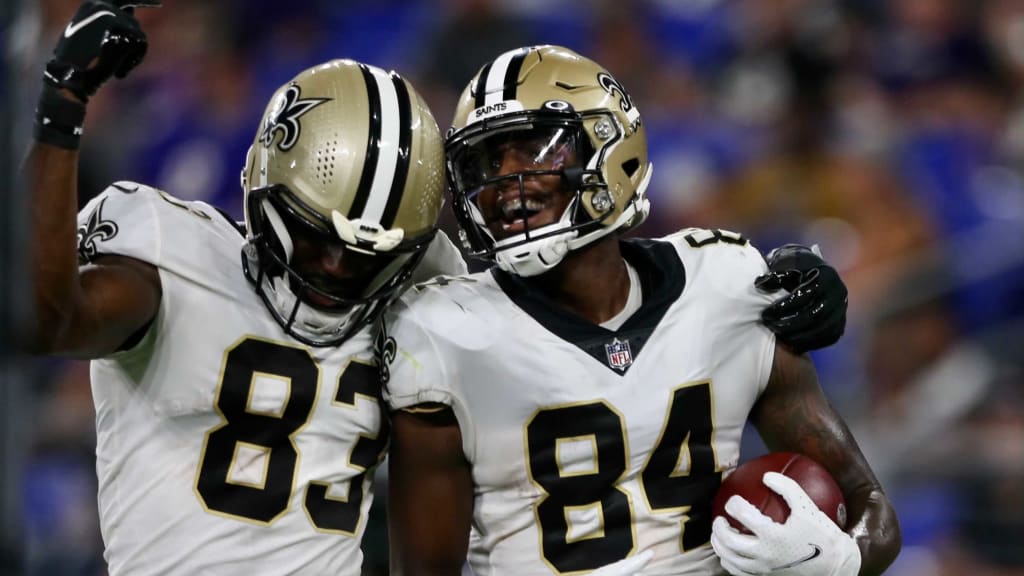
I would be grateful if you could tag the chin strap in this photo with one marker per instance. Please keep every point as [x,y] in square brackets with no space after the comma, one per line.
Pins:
[308,321]
[538,256]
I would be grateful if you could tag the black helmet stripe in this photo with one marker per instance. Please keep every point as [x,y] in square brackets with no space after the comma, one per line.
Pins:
[500,78]
[404,152]
[372,145]
[512,76]
[481,85]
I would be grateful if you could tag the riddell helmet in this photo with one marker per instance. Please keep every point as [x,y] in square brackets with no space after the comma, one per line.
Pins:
[554,91]
[348,153]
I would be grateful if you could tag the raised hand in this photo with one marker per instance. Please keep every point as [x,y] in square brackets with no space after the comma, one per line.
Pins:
[102,40]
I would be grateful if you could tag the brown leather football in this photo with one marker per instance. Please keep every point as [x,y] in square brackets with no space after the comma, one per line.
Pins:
[746,481]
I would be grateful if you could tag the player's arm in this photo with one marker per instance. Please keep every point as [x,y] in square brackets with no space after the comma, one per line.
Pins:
[87,312]
[94,311]
[794,415]
[430,492]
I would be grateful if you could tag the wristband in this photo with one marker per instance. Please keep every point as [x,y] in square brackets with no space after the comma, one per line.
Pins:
[58,120]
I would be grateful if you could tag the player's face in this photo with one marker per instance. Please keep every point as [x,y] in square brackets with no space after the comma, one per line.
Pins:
[522,186]
[331,270]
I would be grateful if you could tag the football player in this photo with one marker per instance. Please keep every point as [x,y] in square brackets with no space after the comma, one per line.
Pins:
[237,405]
[575,407]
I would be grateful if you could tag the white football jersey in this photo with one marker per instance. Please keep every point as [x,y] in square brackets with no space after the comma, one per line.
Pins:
[224,446]
[589,445]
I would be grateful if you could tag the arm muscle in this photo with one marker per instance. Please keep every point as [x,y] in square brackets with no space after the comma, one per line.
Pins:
[794,415]
[430,494]
[88,313]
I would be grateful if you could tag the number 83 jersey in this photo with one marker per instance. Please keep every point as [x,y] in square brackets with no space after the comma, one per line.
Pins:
[223,445]
[589,445]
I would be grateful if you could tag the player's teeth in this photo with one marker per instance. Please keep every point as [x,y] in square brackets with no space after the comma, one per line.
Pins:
[512,206]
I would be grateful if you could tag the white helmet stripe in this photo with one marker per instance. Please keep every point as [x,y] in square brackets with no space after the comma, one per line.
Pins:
[497,76]
[372,144]
[390,144]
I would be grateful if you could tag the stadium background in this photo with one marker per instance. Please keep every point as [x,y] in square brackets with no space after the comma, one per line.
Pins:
[890,133]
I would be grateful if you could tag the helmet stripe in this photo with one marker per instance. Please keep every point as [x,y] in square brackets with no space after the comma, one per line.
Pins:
[404,143]
[504,70]
[372,145]
[390,130]
[512,75]
[481,85]
[388,147]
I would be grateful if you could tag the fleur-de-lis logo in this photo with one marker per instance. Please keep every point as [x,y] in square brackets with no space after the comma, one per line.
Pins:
[612,86]
[284,118]
[385,348]
[96,229]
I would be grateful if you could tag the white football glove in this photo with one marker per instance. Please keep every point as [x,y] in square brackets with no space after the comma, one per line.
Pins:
[627,567]
[808,544]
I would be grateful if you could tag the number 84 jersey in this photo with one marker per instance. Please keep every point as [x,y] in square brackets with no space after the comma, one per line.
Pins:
[589,445]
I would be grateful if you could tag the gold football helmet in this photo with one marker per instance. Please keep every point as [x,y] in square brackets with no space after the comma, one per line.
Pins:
[549,97]
[350,156]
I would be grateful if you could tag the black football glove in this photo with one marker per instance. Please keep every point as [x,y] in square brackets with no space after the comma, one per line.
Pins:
[813,315]
[102,40]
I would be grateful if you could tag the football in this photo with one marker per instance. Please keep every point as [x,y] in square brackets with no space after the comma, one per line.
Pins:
[746,481]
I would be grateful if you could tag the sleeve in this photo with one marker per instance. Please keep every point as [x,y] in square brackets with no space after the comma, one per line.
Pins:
[442,259]
[729,262]
[722,267]
[413,360]
[739,266]
[122,220]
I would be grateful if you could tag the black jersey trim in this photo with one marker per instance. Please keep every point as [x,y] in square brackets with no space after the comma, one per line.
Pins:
[662,279]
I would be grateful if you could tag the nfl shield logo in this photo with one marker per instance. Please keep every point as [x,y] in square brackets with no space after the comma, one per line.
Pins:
[619,356]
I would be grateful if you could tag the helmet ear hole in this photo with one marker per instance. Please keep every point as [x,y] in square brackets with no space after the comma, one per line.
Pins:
[631,166]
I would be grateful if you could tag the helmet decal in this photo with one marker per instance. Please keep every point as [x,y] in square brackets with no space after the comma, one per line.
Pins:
[387,152]
[285,118]
[496,109]
[613,87]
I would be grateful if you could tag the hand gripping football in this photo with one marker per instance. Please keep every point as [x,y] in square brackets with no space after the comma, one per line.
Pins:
[746,481]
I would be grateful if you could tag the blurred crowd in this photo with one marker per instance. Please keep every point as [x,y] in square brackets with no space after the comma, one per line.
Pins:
[890,133]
